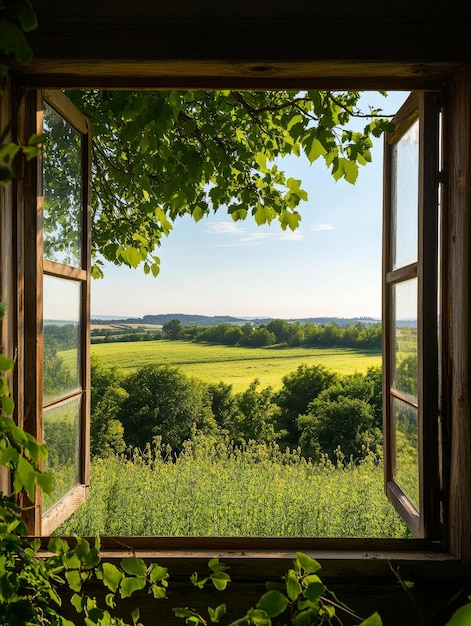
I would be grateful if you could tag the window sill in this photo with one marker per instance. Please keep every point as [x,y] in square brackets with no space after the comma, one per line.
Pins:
[264,558]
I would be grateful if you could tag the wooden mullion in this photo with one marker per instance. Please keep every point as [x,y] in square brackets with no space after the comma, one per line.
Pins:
[77,393]
[402,273]
[399,395]
[63,271]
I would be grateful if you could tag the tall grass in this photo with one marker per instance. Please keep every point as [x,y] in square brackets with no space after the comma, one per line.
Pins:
[214,489]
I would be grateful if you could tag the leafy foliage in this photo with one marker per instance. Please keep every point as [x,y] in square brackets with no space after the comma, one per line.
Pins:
[17,18]
[163,401]
[299,389]
[346,415]
[160,155]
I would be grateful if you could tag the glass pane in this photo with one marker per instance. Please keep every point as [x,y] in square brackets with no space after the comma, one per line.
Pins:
[62,302]
[407,457]
[62,174]
[404,354]
[405,195]
[62,436]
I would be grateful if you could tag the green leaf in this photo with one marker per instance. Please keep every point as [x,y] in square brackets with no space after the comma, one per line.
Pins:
[77,602]
[315,151]
[314,590]
[135,615]
[273,603]
[375,620]
[25,477]
[158,592]
[215,566]
[182,612]
[45,482]
[58,546]
[74,580]
[310,566]
[261,161]
[110,600]
[14,42]
[34,140]
[27,17]
[350,169]
[216,614]
[6,175]
[258,617]
[220,580]
[112,576]
[131,256]
[461,617]
[130,585]
[8,405]
[264,214]
[134,566]
[293,588]
[8,152]
[157,573]
[303,618]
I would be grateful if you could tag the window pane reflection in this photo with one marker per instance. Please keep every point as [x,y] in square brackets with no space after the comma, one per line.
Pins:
[62,173]
[62,302]
[62,437]
[407,457]
[404,353]
[405,194]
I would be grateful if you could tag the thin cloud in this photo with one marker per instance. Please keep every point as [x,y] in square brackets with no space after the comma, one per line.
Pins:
[291,235]
[317,227]
[242,238]
[224,228]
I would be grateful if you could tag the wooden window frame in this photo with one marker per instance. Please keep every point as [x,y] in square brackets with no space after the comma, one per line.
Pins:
[349,556]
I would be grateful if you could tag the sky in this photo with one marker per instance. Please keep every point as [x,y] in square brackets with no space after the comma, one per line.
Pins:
[329,267]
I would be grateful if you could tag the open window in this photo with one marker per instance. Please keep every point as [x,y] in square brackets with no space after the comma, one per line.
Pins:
[410,320]
[57,309]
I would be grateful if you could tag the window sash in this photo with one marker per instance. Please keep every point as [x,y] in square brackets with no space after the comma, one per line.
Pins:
[423,521]
[36,267]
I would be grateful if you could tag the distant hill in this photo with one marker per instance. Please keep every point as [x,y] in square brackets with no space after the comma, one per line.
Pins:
[206,320]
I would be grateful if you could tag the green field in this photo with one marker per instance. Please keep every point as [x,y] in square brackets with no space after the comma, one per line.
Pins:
[233,365]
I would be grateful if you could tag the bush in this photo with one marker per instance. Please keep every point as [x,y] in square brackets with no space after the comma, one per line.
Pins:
[163,402]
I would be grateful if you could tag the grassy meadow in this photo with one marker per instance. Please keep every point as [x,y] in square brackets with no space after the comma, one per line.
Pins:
[234,365]
[214,489]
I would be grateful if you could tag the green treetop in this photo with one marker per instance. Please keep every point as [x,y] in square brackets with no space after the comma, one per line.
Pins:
[161,155]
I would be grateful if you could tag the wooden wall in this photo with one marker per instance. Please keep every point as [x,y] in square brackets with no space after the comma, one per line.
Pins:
[408,44]
[253,42]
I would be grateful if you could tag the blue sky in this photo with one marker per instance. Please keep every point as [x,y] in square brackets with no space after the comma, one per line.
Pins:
[330,266]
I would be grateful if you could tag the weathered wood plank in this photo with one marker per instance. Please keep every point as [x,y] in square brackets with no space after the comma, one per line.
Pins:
[260,72]
[458,315]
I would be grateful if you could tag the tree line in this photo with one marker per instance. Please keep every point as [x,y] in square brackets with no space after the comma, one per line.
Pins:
[315,409]
[280,332]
